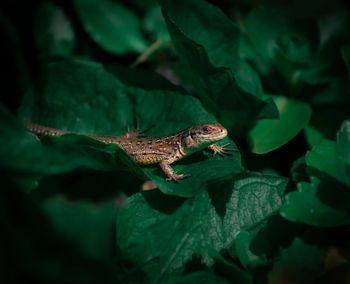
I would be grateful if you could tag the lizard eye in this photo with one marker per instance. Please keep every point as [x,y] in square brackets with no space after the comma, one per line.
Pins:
[205,129]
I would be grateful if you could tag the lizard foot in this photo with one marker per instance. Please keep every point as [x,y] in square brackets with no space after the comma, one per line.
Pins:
[176,177]
[222,150]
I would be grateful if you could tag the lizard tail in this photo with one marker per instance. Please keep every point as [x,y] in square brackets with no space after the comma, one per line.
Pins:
[43,130]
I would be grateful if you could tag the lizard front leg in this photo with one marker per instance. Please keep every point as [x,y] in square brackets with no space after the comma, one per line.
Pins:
[169,171]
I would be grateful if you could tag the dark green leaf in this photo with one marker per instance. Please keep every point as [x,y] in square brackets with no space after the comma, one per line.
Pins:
[230,270]
[313,135]
[154,24]
[207,43]
[200,277]
[270,134]
[345,51]
[244,253]
[163,233]
[325,158]
[88,226]
[278,40]
[300,263]
[54,32]
[306,205]
[114,27]
[343,145]
[93,100]
[24,153]
[298,171]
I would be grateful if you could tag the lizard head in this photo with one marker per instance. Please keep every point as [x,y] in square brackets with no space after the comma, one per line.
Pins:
[203,135]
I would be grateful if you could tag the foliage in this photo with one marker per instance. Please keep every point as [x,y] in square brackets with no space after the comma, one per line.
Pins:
[275,74]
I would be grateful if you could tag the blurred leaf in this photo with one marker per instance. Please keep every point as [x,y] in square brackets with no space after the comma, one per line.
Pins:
[231,271]
[154,24]
[114,27]
[270,134]
[161,233]
[104,105]
[306,206]
[325,121]
[207,43]
[313,135]
[345,51]
[298,170]
[245,255]
[53,31]
[325,158]
[88,226]
[300,263]
[279,40]
[32,250]
[200,277]
[343,145]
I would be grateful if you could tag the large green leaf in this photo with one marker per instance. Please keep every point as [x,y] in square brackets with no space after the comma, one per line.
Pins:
[161,234]
[207,43]
[114,27]
[325,158]
[270,134]
[306,205]
[91,99]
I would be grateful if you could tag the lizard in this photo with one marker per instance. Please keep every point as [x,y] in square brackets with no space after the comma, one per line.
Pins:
[158,150]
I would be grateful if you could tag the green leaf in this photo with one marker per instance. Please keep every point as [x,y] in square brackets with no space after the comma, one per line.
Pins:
[87,225]
[245,255]
[162,233]
[91,99]
[227,85]
[200,277]
[232,272]
[279,40]
[325,121]
[154,24]
[343,145]
[309,205]
[203,169]
[255,197]
[298,170]
[23,153]
[325,158]
[313,135]
[301,262]
[114,27]
[269,134]
[44,254]
[54,33]
[345,52]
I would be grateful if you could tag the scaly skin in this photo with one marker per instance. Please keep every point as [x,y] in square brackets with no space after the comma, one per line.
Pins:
[162,150]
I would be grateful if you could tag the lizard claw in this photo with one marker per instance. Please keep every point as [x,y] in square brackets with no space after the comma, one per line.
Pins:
[176,177]
[222,150]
